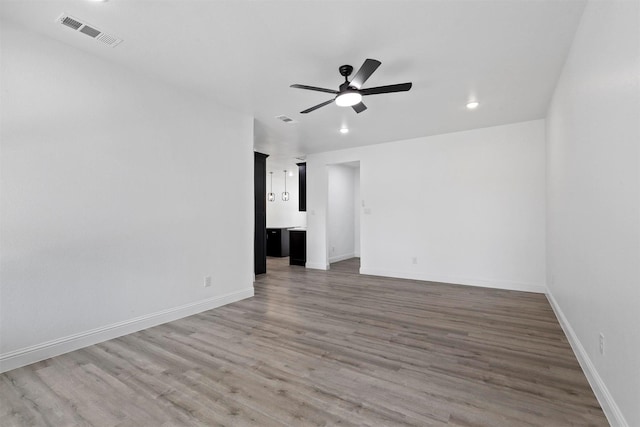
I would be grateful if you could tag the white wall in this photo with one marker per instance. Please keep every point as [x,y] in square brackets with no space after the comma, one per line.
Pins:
[280,213]
[115,200]
[469,206]
[341,212]
[593,217]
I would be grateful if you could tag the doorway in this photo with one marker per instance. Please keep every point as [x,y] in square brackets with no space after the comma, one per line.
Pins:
[286,216]
[343,216]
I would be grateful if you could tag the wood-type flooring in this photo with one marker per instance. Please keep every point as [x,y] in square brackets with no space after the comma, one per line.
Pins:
[322,348]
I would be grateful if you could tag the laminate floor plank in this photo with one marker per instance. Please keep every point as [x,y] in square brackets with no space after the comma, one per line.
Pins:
[322,348]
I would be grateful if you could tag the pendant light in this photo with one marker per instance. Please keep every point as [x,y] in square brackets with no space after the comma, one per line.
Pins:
[285,194]
[271,196]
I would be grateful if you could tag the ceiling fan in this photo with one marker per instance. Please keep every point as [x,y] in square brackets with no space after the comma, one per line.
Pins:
[350,93]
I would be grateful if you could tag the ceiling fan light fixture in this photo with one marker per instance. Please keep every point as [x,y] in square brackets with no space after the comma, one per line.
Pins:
[472,105]
[344,130]
[348,98]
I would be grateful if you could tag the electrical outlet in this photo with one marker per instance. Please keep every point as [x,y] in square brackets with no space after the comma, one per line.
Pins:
[207,281]
[601,342]
[414,260]
[333,249]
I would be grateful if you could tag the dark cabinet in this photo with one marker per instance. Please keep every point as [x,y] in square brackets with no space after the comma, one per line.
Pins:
[298,247]
[302,187]
[277,242]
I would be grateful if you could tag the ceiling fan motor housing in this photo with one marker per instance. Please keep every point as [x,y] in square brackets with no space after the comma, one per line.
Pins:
[345,70]
[346,85]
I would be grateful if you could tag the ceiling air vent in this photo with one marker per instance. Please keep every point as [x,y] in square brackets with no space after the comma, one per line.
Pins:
[89,30]
[285,119]
[71,23]
[107,39]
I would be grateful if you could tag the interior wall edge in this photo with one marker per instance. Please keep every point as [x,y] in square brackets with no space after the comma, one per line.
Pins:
[342,257]
[26,356]
[608,404]
[316,266]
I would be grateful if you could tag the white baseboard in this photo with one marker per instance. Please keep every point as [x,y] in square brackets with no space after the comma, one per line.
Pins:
[317,265]
[38,352]
[496,284]
[609,406]
[340,258]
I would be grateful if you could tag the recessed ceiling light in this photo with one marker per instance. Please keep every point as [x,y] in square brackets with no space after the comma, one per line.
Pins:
[473,105]
[344,130]
[98,1]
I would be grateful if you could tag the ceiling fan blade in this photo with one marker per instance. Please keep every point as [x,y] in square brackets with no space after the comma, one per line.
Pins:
[368,67]
[402,87]
[317,89]
[308,110]
[359,107]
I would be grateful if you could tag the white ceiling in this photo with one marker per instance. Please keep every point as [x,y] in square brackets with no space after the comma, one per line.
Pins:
[245,54]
